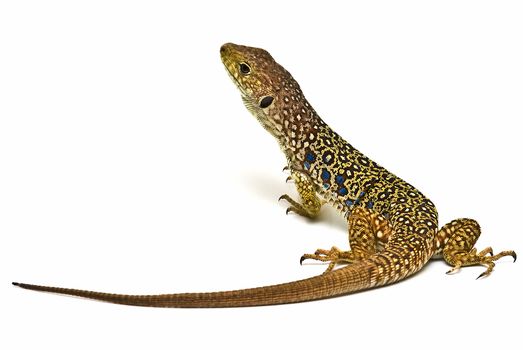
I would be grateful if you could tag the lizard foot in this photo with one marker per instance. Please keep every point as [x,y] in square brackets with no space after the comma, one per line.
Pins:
[332,256]
[298,208]
[485,257]
[310,204]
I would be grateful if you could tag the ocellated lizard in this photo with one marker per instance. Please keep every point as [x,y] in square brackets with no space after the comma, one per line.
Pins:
[393,227]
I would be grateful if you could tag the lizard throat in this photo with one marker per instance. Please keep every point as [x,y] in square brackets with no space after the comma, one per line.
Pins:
[266,120]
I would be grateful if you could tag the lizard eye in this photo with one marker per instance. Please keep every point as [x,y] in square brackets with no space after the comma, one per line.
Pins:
[245,69]
[266,101]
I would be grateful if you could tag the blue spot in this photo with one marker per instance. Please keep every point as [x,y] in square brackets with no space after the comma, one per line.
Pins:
[349,202]
[343,191]
[339,179]
[325,175]
[310,157]
[360,196]
[370,205]
[326,186]
[307,165]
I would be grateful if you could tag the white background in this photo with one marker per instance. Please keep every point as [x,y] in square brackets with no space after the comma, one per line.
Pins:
[128,164]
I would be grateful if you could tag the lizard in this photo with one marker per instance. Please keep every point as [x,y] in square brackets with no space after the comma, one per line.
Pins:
[392,227]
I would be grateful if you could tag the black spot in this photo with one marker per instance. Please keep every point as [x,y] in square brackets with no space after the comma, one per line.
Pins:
[328,157]
[385,194]
[244,68]
[266,101]
[363,161]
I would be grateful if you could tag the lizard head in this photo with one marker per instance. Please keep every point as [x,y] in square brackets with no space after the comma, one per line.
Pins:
[266,87]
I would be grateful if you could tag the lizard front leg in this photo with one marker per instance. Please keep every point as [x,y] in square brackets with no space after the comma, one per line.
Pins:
[455,241]
[310,203]
[369,231]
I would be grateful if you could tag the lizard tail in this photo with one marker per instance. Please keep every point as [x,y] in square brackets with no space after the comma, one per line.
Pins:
[338,282]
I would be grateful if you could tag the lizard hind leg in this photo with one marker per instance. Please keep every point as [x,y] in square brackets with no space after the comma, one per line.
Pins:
[368,233]
[456,242]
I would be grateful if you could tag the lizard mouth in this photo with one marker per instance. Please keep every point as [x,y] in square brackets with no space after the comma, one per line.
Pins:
[232,76]
[230,63]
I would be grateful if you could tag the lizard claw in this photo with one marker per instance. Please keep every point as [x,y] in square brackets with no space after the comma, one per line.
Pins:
[453,270]
[286,197]
[483,274]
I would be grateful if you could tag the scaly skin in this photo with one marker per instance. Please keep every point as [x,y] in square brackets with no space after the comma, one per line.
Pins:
[393,227]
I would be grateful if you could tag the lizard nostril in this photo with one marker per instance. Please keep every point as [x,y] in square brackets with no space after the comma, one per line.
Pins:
[225,48]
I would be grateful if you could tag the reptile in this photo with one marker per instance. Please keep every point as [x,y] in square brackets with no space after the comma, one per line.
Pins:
[392,227]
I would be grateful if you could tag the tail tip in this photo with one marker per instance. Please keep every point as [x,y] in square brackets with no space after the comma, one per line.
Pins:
[16,284]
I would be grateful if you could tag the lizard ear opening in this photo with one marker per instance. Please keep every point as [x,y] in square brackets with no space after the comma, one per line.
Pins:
[266,101]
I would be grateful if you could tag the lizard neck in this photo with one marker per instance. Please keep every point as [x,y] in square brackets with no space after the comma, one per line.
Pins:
[301,127]
[292,121]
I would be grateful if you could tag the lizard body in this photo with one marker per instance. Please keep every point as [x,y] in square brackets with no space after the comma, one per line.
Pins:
[393,227]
